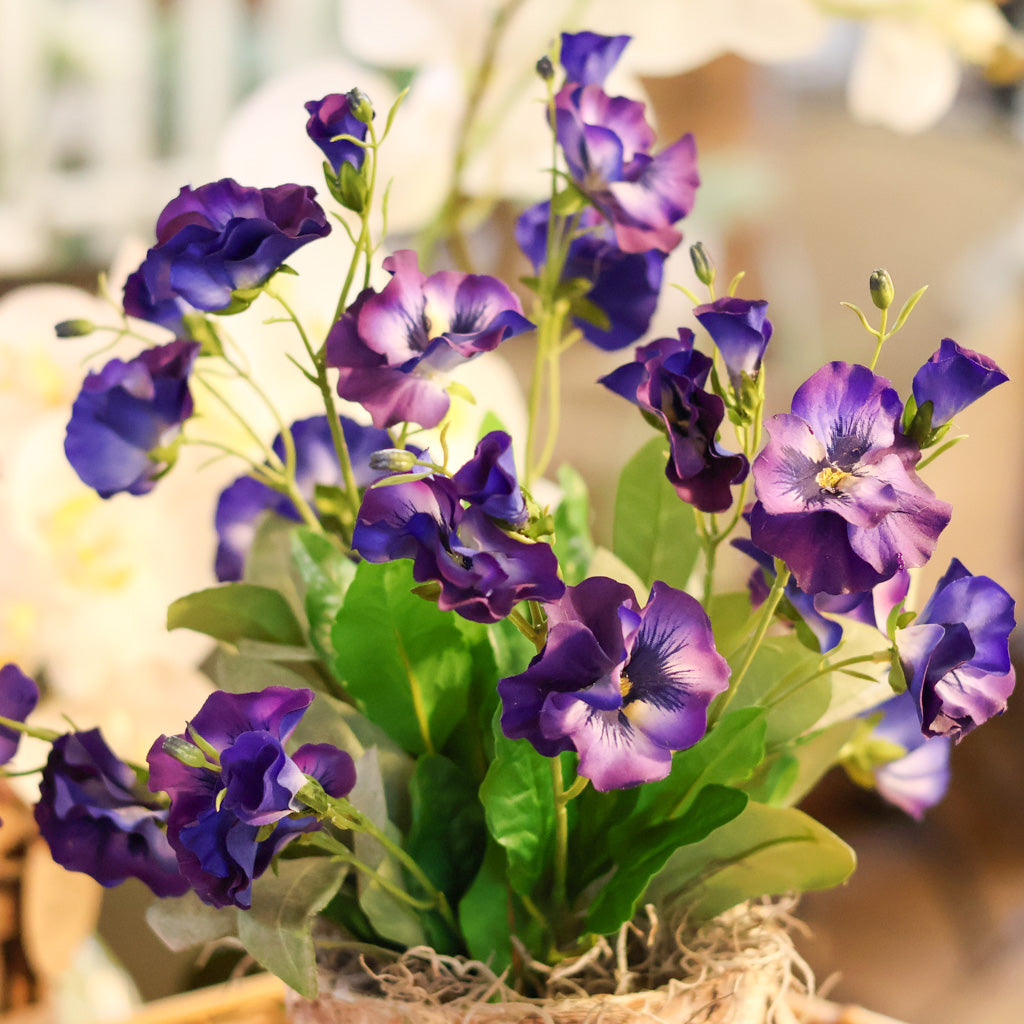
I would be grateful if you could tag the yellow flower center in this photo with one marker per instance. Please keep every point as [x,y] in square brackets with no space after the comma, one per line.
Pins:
[624,685]
[830,478]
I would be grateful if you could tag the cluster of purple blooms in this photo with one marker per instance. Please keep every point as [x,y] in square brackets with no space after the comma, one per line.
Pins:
[837,499]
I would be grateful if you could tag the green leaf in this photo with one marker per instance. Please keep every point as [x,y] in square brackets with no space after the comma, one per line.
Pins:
[763,851]
[573,544]
[402,659]
[447,834]
[641,855]
[482,918]
[654,532]
[235,611]
[326,576]
[817,754]
[278,929]
[519,807]
[186,921]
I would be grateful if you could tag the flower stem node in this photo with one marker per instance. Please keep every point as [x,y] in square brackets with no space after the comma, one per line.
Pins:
[78,328]
[882,292]
[393,460]
[702,265]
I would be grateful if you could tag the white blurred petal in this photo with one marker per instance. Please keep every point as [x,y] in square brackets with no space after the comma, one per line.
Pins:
[904,76]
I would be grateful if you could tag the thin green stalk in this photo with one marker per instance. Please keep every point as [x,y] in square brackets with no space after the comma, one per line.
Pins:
[558,890]
[767,614]
[770,699]
[882,336]
[29,730]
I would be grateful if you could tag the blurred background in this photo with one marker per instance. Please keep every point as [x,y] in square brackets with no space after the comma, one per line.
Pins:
[834,138]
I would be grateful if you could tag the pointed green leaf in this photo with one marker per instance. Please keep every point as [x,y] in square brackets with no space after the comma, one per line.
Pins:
[235,611]
[326,575]
[186,921]
[654,531]
[573,544]
[278,929]
[402,659]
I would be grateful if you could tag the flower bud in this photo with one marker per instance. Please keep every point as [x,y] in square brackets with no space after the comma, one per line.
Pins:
[187,753]
[702,265]
[392,460]
[545,68]
[360,105]
[881,289]
[74,328]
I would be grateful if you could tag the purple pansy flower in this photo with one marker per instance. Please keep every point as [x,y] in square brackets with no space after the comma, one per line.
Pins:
[127,417]
[838,498]
[625,286]
[606,142]
[666,380]
[489,480]
[956,655]
[620,685]
[952,379]
[333,116]
[920,778]
[483,571]
[242,503]
[394,349]
[97,818]
[741,332]
[218,240]
[219,814]
[18,698]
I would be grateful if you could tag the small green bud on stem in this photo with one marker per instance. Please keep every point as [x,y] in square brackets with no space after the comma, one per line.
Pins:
[79,328]
[882,292]
[360,105]
[702,265]
[545,68]
[394,460]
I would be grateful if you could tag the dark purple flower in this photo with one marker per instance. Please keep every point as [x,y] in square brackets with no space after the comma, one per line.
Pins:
[956,655]
[242,503]
[395,349]
[127,418]
[489,480]
[18,698]
[333,116]
[920,778]
[620,685]
[97,818]
[952,379]
[741,332]
[625,286]
[839,500]
[483,571]
[217,242]
[228,820]
[588,57]
[666,380]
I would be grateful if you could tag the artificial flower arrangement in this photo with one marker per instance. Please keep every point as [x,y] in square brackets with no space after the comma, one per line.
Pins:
[443,715]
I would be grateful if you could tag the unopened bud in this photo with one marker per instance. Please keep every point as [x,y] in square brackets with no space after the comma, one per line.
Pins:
[360,105]
[881,289]
[392,460]
[74,328]
[702,265]
[545,68]
[187,753]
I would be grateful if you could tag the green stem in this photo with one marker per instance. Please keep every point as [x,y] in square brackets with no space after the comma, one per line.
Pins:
[28,730]
[772,697]
[767,614]
[882,336]
[558,890]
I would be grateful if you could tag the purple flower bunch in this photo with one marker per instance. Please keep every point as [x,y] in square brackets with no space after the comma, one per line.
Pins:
[459,531]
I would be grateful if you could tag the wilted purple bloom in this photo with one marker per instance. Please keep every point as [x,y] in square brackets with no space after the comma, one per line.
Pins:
[127,417]
[395,349]
[741,332]
[242,503]
[489,480]
[666,380]
[624,286]
[483,571]
[952,379]
[330,117]
[218,240]
[920,778]
[956,654]
[588,57]
[620,685]
[218,814]
[97,818]
[839,500]
[18,698]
